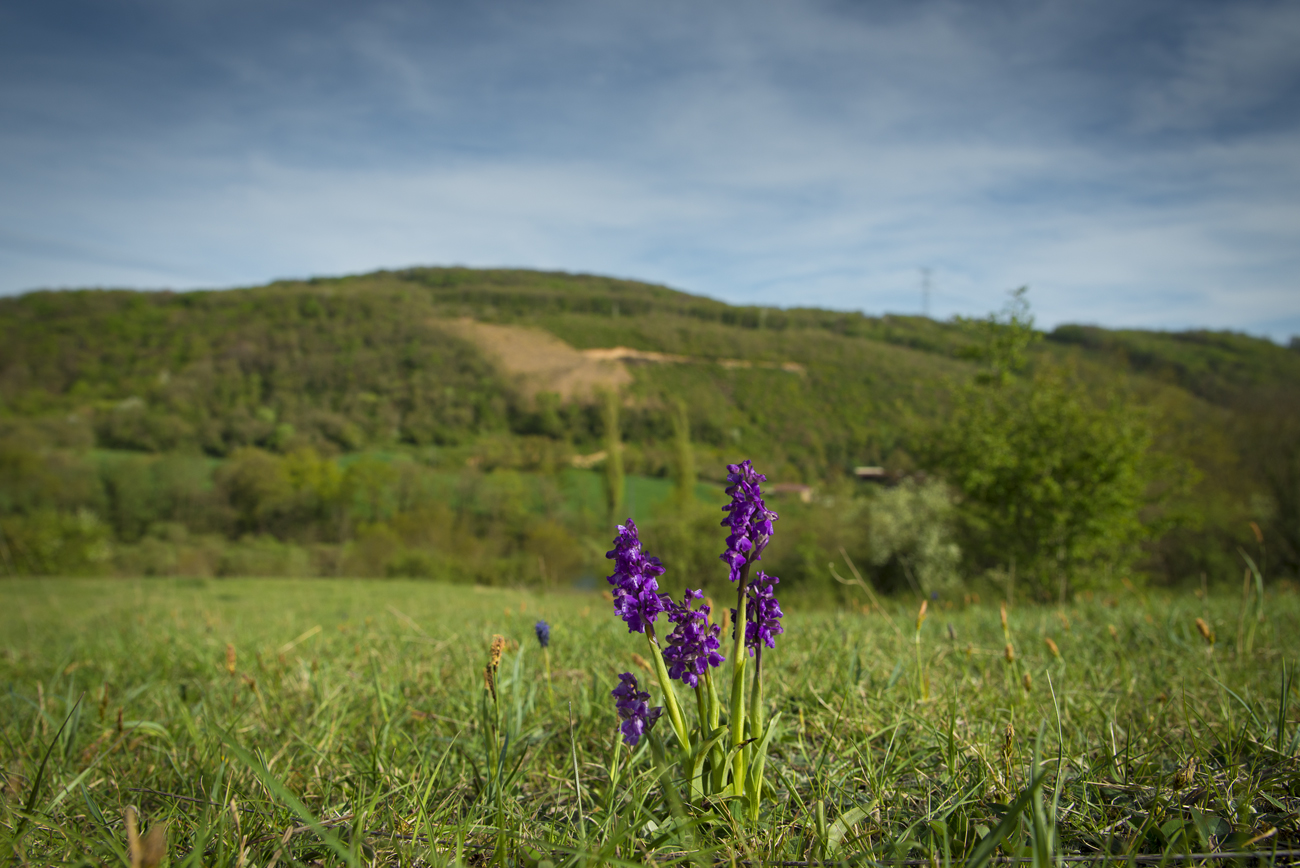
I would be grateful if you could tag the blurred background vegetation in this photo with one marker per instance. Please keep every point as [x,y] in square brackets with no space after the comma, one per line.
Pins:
[364,426]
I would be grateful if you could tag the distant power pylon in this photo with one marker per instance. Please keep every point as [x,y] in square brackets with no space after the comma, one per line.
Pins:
[925,292]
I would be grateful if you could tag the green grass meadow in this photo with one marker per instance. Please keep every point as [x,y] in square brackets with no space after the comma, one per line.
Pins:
[276,722]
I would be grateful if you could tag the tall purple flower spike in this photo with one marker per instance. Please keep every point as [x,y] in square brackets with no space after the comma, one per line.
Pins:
[636,593]
[693,645]
[762,612]
[632,706]
[748,517]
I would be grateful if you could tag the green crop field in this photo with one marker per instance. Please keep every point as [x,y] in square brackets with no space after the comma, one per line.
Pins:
[276,722]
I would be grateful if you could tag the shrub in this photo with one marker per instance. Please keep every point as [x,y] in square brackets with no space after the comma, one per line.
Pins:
[1052,479]
[50,543]
[910,535]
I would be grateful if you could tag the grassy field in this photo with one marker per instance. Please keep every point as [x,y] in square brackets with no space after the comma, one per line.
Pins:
[341,722]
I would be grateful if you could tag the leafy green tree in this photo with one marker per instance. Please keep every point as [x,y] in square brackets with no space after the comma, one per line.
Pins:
[683,455]
[256,486]
[131,498]
[1052,479]
[369,489]
[684,530]
[50,543]
[614,481]
[1273,429]
[26,481]
[910,538]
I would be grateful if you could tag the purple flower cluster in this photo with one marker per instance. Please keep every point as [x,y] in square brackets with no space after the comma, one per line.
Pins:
[632,706]
[748,518]
[636,593]
[762,612]
[543,631]
[693,644]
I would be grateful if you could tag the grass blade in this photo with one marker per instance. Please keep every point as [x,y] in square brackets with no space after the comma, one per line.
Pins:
[984,850]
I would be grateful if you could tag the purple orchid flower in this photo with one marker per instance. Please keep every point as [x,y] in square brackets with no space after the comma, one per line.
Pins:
[762,612]
[636,592]
[632,706]
[748,518]
[693,645]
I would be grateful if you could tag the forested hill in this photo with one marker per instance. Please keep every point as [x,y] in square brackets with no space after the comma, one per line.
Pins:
[497,368]
[346,363]
[370,361]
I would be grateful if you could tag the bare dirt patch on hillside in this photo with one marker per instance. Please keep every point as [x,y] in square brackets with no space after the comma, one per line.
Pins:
[540,362]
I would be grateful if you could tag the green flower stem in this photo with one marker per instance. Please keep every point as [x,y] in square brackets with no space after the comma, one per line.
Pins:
[715,703]
[738,689]
[756,729]
[922,689]
[550,692]
[702,704]
[670,696]
[613,771]
[718,757]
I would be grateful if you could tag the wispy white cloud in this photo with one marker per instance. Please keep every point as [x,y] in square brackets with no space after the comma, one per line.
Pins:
[1238,61]
[783,154]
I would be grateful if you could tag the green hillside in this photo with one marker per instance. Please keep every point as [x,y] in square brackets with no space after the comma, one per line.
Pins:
[355,425]
[355,362]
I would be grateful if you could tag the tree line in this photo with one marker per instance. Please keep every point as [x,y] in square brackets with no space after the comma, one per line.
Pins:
[331,427]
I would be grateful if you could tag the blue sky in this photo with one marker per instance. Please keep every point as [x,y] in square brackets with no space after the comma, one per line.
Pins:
[1134,164]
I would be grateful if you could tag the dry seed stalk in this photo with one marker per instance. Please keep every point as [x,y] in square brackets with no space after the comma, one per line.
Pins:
[1186,774]
[498,646]
[494,661]
[1204,629]
[1008,742]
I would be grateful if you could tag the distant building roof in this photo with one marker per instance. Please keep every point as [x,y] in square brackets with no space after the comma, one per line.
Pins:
[805,492]
[881,476]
